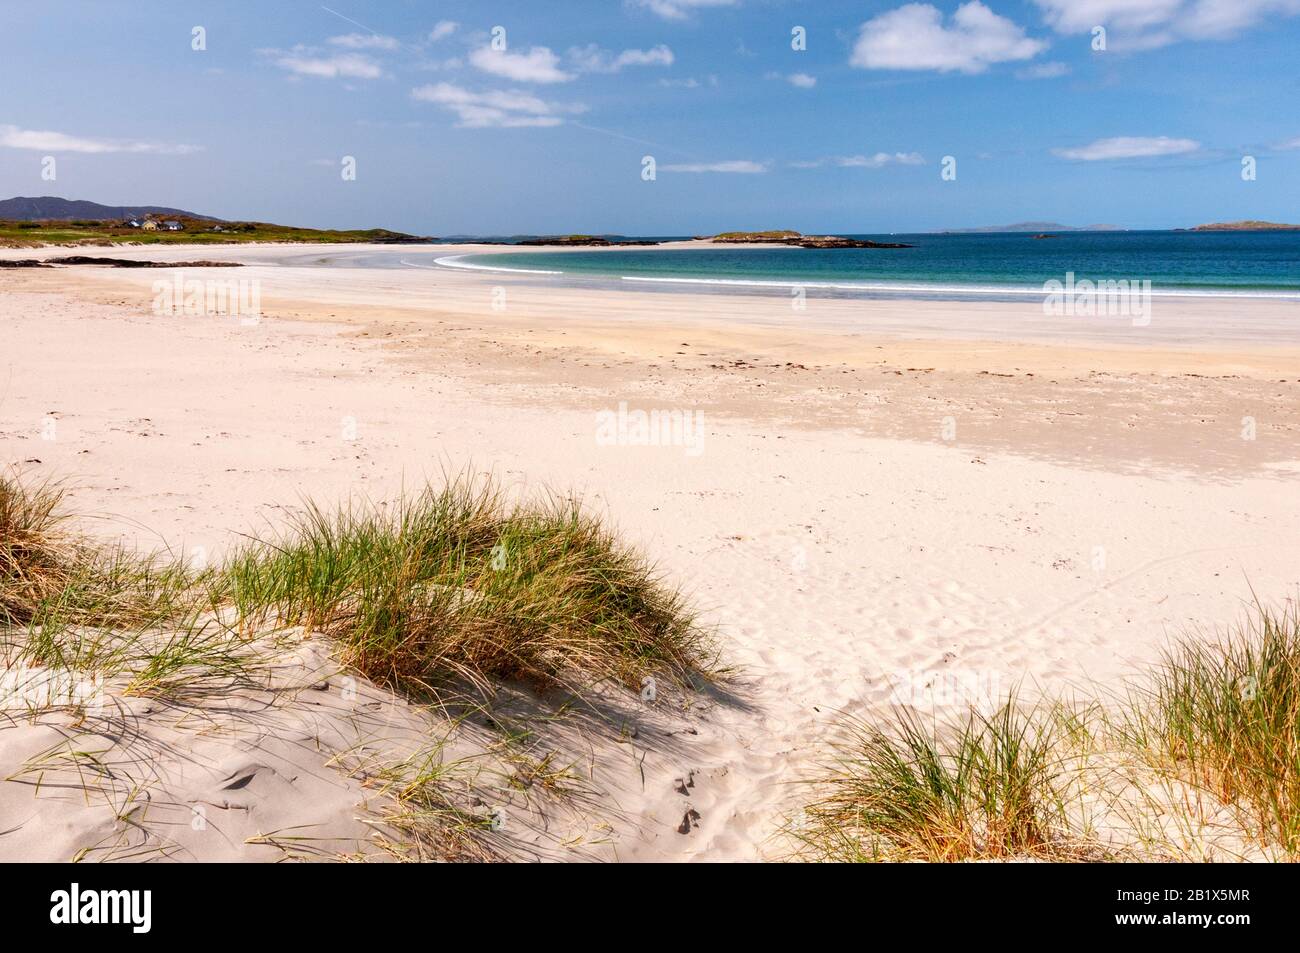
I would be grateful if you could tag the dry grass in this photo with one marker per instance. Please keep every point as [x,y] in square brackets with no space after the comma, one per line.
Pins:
[1224,716]
[1197,759]
[455,584]
[986,787]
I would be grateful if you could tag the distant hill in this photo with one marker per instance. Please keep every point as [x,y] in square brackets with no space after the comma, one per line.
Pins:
[1035,227]
[1248,225]
[48,207]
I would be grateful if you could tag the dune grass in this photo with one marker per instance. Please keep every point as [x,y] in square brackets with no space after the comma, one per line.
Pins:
[1214,728]
[1224,715]
[452,584]
[455,583]
[49,576]
[985,787]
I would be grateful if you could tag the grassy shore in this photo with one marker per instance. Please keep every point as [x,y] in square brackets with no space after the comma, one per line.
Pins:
[196,232]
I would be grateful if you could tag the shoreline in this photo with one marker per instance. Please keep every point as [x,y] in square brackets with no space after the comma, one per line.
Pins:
[1206,335]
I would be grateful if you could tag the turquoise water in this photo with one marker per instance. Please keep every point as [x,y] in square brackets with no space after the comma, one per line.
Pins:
[1188,262]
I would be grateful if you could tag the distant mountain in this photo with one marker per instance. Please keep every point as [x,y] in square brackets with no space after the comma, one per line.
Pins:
[48,207]
[1249,225]
[1035,227]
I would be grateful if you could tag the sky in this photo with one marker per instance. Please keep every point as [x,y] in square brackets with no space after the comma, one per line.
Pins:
[658,117]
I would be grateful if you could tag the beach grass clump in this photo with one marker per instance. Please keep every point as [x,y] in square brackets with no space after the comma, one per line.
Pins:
[37,557]
[69,604]
[1224,716]
[456,583]
[988,786]
[52,577]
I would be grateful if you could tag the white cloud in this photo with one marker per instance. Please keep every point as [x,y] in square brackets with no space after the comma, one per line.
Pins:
[502,109]
[1129,147]
[737,166]
[1289,144]
[690,82]
[681,9]
[538,65]
[443,29]
[1053,70]
[592,59]
[365,41]
[1145,24]
[12,137]
[302,62]
[880,160]
[914,37]
[801,80]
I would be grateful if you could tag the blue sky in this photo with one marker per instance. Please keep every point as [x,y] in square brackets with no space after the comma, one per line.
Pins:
[452,135]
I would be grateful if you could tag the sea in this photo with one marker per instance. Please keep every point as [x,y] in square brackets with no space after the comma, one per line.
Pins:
[1263,264]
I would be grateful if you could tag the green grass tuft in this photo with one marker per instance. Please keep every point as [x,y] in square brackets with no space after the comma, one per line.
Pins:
[987,787]
[1224,715]
[454,583]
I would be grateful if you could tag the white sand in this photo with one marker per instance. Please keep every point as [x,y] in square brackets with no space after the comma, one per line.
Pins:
[1093,502]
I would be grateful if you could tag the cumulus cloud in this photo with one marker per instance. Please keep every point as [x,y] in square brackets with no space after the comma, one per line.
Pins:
[735,166]
[681,9]
[501,109]
[592,59]
[1144,24]
[443,29]
[538,65]
[37,140]
[1129,147]
[303,62]
[365,41]
[801,80]
[915,37]
[690,82]
[877,161]
[880,160]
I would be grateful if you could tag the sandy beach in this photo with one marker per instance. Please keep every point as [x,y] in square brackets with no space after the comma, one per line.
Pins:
[883,496]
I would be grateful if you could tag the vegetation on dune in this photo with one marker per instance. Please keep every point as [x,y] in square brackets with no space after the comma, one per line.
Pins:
[1224,715]
[454,582]
[1197,759]
[450,584]
[988,787]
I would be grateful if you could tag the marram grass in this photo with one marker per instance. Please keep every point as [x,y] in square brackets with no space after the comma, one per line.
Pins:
[1224,715]
[452,584]
[988,786]
[455,583]
[1212,730]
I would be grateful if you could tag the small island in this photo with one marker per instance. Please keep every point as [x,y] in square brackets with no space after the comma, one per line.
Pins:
[583,241]
[1246,225]
[795,239]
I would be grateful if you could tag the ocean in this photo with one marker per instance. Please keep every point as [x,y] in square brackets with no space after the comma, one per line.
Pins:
[1257,264]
